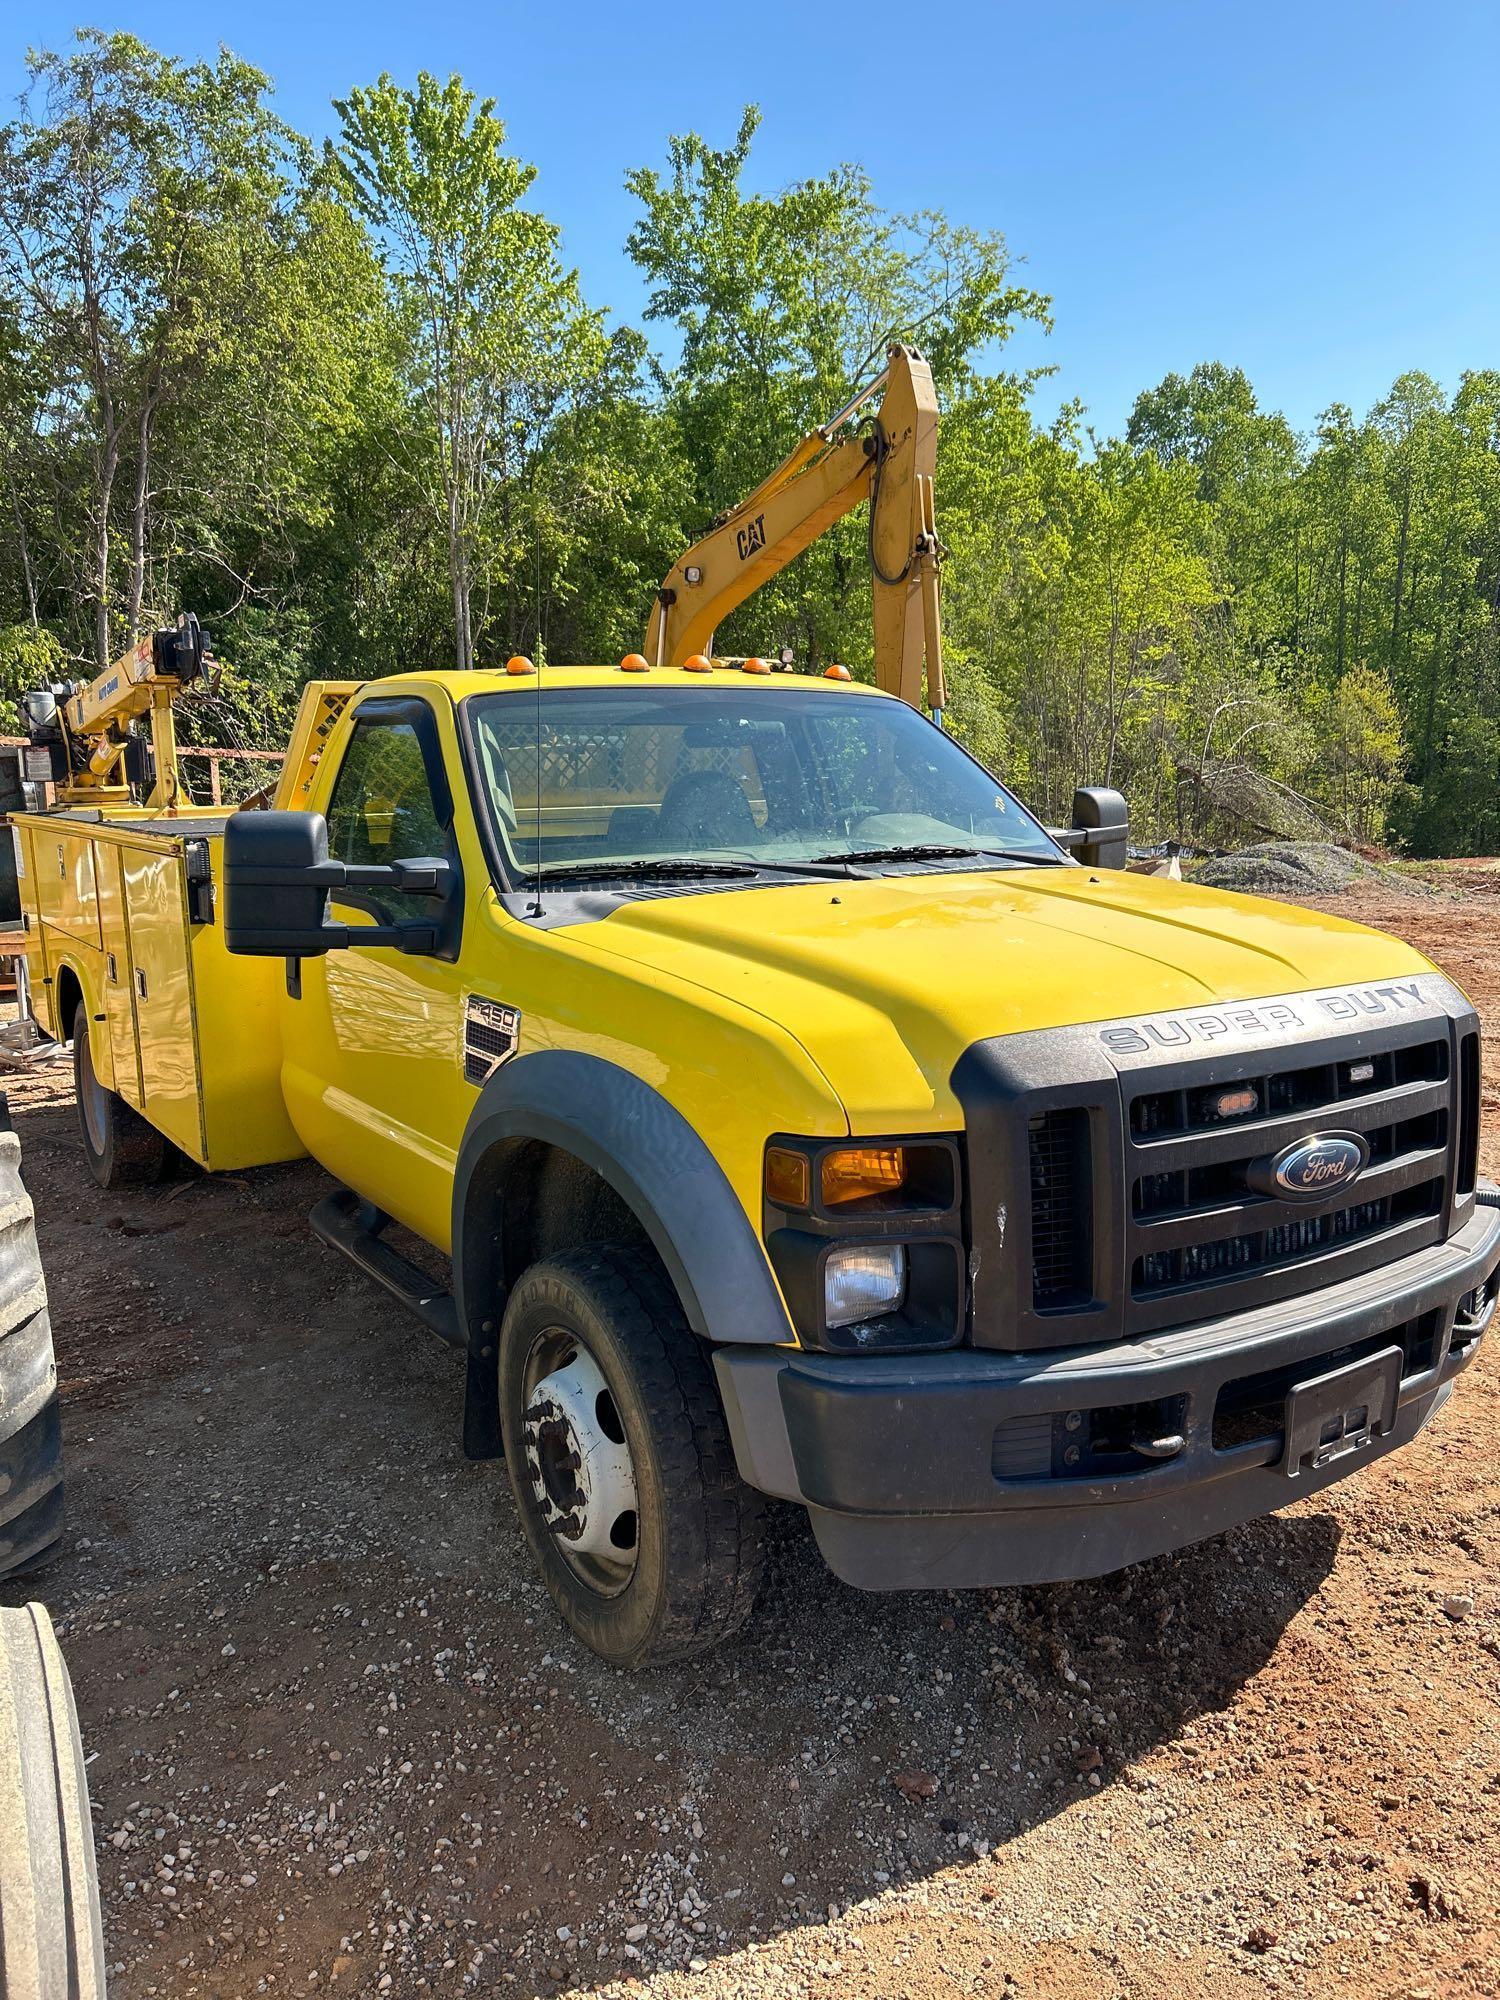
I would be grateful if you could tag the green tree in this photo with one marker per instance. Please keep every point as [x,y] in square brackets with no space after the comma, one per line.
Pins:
[782,305]
[502,338]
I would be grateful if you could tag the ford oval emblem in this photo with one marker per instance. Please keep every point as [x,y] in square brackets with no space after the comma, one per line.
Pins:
[1312,1168]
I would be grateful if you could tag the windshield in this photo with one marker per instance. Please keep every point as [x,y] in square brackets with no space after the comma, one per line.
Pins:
[737,779]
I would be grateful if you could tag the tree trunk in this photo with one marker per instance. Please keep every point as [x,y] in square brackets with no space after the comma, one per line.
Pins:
[1400,574]
[23,543]
[109,465]
[1343,600]
[138,525]
[458,576]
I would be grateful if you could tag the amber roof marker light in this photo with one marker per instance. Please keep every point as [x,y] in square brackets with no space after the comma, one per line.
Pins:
[519,664]
[697,663]
[837,673]
[635,663]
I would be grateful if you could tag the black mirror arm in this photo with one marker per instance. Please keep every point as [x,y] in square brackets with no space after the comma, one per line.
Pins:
[423,877]
[415,939]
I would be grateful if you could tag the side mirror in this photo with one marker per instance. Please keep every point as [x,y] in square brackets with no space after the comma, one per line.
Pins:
[277,880]
[1101,817]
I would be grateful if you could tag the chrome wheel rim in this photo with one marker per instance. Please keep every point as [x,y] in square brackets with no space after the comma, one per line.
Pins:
[577,1462]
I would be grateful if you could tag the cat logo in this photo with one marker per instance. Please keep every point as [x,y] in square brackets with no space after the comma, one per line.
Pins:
[748,540]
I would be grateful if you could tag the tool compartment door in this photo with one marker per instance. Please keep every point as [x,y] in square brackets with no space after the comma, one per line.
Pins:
[116,985]
[162,994]
[66,894]
[31,917]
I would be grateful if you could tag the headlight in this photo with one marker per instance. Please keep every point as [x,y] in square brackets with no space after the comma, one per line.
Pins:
[863,1281]
[865,1236]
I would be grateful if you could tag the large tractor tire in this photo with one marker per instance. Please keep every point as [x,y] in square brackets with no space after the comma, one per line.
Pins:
[31,1486]
[51,1939]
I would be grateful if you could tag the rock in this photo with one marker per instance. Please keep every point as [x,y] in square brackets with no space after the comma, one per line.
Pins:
[1458,1608]
[915,1784]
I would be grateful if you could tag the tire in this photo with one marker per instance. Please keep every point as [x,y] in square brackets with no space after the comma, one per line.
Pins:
[51,1939]
[606,1318]
[31,1483]
[121,1148]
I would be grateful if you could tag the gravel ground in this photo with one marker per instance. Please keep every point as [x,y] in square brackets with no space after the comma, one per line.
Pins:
[1300,870]
[341,1741]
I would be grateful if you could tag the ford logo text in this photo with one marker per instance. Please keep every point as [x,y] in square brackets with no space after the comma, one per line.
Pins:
[1313,1168]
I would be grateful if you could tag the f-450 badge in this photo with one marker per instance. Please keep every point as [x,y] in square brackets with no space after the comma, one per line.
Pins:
[492,1034]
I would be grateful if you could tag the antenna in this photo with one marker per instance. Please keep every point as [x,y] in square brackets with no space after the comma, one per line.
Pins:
[536,824]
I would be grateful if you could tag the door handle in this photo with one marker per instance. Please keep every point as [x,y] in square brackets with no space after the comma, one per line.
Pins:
[140,982]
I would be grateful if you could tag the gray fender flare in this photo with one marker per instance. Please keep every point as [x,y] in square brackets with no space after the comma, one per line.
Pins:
[657,1164]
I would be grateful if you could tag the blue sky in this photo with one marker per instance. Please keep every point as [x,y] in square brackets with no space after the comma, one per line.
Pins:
[1311,191]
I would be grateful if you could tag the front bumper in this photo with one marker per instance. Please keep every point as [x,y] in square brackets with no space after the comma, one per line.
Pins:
[896,1458]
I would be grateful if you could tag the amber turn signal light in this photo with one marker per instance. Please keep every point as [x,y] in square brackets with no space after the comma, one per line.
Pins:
[788,1179]
[855,1173]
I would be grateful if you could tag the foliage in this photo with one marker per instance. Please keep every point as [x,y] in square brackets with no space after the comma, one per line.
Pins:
[500,337]
[356,410]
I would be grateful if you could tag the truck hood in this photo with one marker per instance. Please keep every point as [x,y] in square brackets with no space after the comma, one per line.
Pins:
[886,982]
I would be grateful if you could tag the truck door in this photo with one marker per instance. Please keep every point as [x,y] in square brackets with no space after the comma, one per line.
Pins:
[374,1046]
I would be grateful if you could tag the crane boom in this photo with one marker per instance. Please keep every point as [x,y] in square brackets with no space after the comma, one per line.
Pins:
[889,460]
[90,727]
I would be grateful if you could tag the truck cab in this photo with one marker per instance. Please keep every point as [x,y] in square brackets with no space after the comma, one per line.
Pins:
[804,1120]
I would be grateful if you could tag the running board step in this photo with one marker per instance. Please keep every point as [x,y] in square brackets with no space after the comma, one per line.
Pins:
[346,1223]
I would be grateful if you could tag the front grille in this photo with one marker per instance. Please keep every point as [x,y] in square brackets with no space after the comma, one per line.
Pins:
[1121,1175]
[1309,1087]
[1231,1256]
[1061,1257]
[1197,1147]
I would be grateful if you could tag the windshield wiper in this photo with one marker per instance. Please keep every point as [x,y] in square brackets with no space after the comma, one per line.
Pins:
[664,868]
[937,851]
[672,866]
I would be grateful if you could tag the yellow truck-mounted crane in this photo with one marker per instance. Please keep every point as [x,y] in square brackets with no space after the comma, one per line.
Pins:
[885,456]
[85,736]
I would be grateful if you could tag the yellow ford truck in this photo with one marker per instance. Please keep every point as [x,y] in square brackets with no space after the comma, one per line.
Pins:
[802,1119]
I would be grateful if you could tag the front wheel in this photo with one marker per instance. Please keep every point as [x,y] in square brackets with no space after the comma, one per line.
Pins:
[121,1148]
[620,1460]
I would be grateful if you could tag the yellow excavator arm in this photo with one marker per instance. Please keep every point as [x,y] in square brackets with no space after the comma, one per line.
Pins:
[886,457]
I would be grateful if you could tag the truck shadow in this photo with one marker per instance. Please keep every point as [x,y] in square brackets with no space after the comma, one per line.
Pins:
[313,1602]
